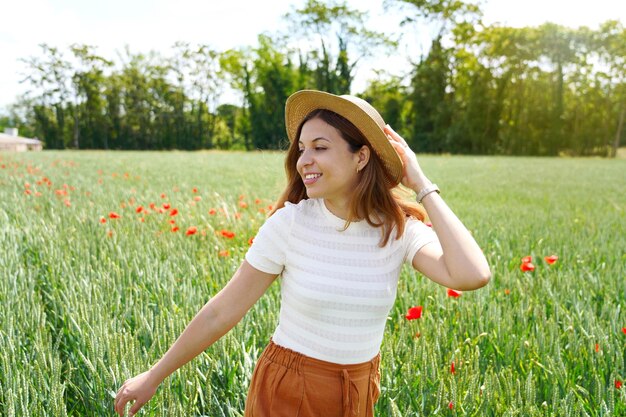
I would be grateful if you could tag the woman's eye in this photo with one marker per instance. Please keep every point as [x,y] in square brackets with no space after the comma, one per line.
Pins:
[317,149]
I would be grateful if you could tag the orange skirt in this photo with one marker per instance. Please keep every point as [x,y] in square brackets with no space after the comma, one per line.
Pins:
[289,384]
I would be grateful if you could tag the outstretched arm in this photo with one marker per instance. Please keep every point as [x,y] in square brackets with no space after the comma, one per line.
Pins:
[456,261]
[215,319]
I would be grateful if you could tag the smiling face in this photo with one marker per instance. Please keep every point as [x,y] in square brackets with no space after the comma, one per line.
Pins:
[327,164]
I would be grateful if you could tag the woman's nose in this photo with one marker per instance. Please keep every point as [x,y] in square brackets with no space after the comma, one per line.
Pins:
[305,158]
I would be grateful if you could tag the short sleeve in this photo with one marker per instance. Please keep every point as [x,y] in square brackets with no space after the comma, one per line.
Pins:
[269,247]
[416,235]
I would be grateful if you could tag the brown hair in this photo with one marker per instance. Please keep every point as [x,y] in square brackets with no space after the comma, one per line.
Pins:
[372,199]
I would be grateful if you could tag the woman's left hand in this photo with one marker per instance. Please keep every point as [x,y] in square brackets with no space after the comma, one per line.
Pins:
[413,176]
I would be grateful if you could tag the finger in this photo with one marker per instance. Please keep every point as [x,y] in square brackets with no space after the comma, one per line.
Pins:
[118,396]
[406,149]
[118,399]
[394,140]
[395,135]
[399,148]
[121,405]
[135,408]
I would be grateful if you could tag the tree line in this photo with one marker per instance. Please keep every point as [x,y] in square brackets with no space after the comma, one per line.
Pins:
[480,89]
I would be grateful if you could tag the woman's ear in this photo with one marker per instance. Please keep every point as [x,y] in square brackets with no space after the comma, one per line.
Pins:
[364,156]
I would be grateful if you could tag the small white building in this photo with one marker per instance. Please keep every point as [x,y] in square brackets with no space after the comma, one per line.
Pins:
[10,141]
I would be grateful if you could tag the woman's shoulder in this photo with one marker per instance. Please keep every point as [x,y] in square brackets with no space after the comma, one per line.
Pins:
[291,210]
[304,205]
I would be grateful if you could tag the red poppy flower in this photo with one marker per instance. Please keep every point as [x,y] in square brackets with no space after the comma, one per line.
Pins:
[172,221]
[454,293]
[197,198]
[166,206]
[223,253]
[624,330]
[618,384]
[257,201]
[212,212]
[451,405]
[452,369]
[251,240]
[173,212]
[551,259]
[153,206]
[527,259]
[163,195]
[102,219]
[28,192]
[227,234]
[175,229]
[194,190]
[507,291]
[597,347]
[139,209]
[414,313]
[114,215]
[527,267]
[192,231]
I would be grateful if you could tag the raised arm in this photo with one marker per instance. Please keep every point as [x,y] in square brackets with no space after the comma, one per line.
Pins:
[216,318]
[456,261]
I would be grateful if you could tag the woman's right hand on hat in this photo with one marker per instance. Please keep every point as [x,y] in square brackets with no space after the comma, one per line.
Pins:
[412,177]
[140,388]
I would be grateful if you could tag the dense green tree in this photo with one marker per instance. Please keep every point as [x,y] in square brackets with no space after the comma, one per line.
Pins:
[89,107]
[48,77]
[317,22]
[429,101]
[480,89]
[388,95]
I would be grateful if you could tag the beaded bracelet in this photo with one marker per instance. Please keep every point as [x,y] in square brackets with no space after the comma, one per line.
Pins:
[425,191]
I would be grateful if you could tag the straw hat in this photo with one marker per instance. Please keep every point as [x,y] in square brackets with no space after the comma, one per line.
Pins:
[358,111]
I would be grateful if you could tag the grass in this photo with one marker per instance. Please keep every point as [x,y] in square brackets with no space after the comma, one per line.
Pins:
[86,305]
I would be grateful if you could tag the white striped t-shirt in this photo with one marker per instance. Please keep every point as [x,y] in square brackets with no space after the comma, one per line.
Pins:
[337,288]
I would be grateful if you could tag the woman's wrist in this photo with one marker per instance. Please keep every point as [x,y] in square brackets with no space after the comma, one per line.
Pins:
[420,184]
[155,375]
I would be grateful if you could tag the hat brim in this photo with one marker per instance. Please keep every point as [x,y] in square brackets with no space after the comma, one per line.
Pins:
[360,113]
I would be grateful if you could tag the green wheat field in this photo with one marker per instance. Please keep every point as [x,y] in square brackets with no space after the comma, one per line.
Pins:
[106,256]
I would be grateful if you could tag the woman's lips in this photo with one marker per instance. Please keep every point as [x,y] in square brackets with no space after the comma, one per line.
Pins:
[309,181]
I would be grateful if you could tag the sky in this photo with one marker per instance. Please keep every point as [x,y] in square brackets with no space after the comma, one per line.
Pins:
[145,25]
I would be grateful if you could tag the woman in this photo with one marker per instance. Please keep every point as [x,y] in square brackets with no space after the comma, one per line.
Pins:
[338,238]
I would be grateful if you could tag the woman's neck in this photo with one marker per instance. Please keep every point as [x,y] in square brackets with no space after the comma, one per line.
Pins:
[338,208]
